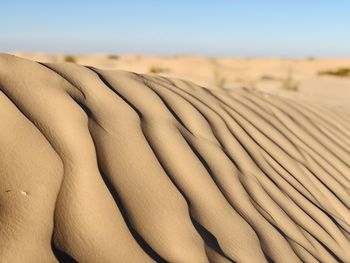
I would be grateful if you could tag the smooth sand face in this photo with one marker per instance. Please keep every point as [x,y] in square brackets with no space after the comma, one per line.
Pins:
[112,166]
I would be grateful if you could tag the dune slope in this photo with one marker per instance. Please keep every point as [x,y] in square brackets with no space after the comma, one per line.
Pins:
[112,166]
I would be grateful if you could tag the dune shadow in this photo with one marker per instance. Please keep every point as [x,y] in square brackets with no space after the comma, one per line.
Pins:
[61,256]
[209,239]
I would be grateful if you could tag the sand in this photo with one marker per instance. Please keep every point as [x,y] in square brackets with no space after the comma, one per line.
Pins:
[113,166]
[264,74]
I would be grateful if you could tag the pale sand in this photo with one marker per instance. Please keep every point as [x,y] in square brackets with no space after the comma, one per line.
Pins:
[112,166]
[260,73]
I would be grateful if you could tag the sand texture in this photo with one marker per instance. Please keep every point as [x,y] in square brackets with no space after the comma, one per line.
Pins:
[112,166]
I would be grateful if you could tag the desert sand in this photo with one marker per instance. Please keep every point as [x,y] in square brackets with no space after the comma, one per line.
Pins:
[265,74]
[104,165]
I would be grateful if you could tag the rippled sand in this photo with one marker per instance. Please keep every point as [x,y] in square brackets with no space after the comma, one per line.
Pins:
[113,166]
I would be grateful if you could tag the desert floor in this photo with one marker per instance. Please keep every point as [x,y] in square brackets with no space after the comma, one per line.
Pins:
[292,78]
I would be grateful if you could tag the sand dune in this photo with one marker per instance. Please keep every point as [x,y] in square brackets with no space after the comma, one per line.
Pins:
[113,166]
[265,74]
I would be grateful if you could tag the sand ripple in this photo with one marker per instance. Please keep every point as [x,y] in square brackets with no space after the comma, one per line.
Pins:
[112,166]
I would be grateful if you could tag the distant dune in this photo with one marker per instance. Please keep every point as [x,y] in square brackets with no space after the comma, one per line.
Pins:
[112,166]
[286,77]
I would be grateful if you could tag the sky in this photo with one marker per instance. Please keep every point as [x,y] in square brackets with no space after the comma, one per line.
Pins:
[248,28]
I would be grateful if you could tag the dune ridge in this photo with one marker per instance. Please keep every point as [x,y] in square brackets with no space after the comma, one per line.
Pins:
[114,166]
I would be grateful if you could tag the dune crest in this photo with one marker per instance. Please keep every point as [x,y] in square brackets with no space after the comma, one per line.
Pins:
[113,166]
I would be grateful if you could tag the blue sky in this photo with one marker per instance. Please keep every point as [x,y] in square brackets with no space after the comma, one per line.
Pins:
[279,28]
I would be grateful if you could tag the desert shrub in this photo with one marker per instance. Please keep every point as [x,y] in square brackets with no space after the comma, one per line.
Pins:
[113,57]
[69,58]
[340,72]
[269,78]
[158,69]
[219,80]
[289,83]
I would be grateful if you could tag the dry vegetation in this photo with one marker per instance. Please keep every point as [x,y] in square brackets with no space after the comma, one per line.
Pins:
[158,69]
[340,72]
[289,82]
[219,80]
[113,57]
[266,77]
[69,58]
